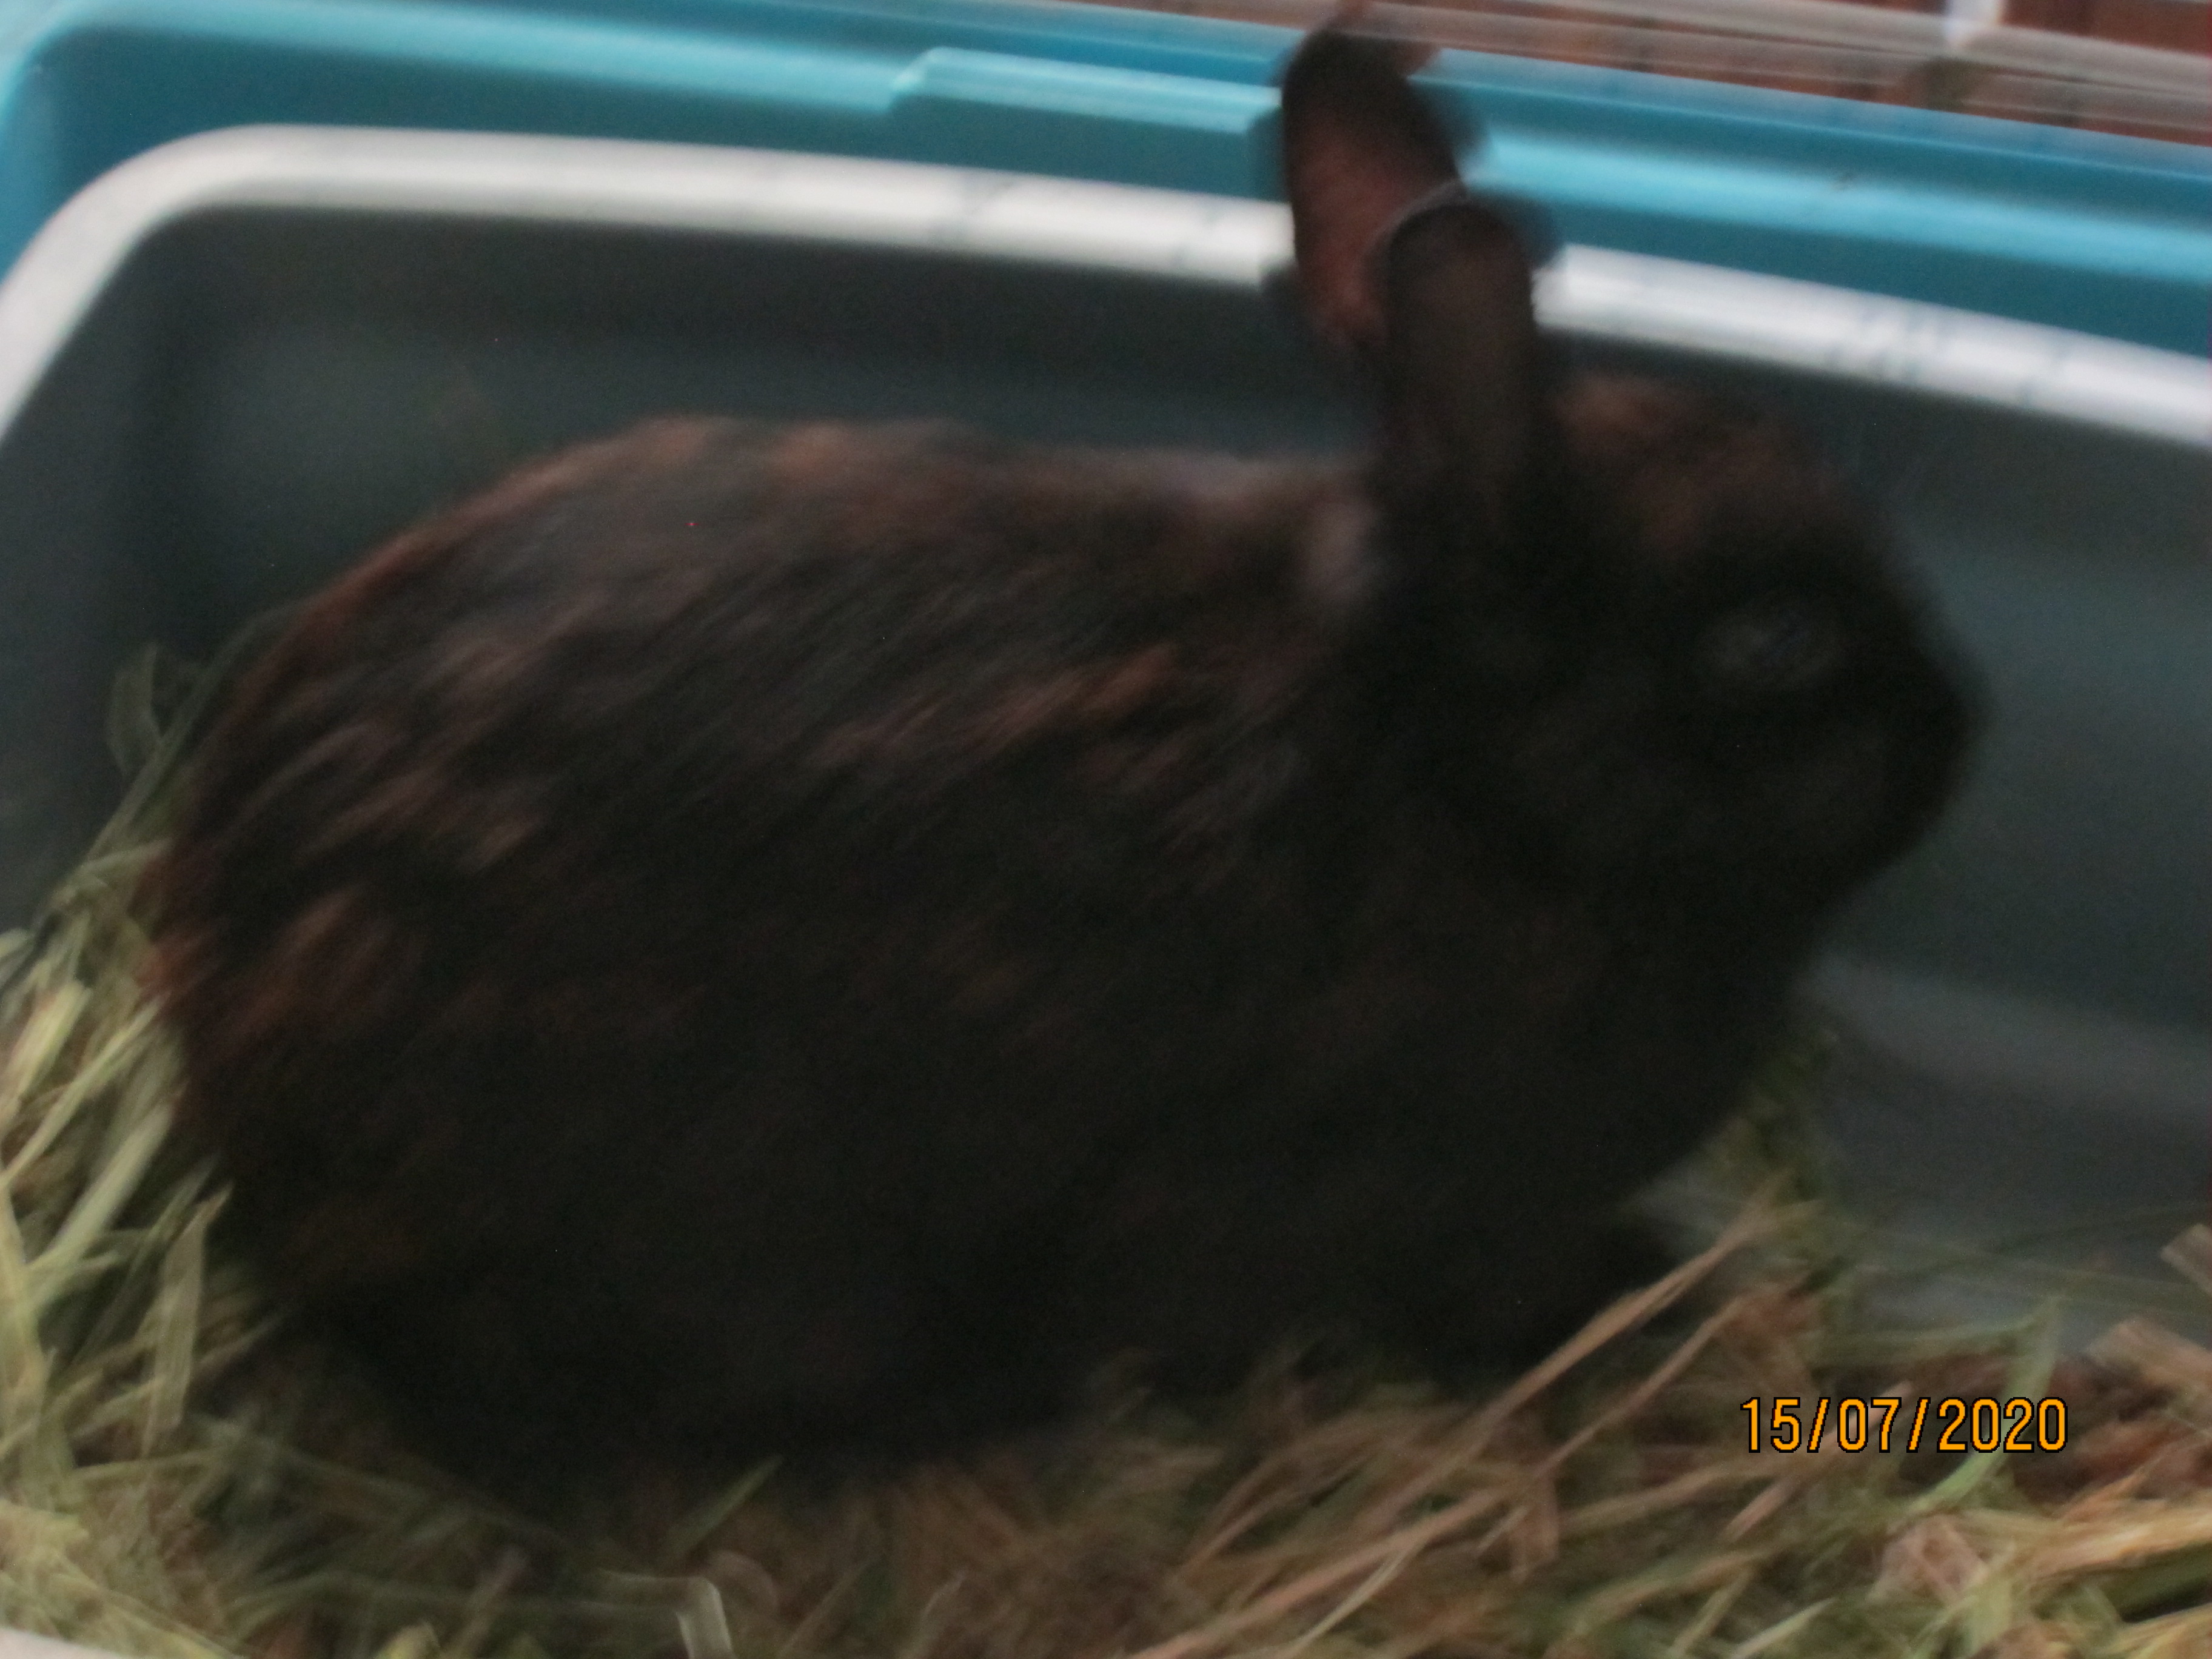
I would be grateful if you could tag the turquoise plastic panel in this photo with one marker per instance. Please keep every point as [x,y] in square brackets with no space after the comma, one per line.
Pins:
[2109,235]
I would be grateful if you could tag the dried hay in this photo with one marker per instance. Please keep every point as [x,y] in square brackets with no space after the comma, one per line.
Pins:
[181,1477]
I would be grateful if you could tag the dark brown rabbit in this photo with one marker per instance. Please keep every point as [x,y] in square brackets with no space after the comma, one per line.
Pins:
[748,936]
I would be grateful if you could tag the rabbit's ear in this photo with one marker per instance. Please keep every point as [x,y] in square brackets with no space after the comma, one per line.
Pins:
[1465,374]
[1359,149]
[1430,287]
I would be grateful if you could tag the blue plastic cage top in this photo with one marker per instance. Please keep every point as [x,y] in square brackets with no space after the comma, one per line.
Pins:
[2108,235]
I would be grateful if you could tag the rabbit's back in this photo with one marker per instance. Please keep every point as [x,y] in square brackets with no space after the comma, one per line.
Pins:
[645,721]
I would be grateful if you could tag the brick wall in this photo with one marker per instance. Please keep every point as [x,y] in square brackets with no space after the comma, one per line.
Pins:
[1565,33]
[2174,24]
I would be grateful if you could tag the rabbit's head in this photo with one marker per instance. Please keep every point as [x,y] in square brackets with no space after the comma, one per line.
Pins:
[1653,638]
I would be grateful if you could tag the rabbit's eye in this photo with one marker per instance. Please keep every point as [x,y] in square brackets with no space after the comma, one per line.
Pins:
[1786,642]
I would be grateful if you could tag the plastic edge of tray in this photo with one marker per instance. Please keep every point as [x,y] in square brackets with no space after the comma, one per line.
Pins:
[1593,293]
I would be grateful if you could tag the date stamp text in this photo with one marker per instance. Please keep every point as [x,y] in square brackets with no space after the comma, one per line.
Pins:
[1984,1424]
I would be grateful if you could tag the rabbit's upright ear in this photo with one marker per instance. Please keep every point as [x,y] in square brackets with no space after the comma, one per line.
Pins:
[1360,148]
[1429,286]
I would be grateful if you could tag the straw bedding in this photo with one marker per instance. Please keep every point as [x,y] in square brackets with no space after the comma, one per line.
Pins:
[180,1474]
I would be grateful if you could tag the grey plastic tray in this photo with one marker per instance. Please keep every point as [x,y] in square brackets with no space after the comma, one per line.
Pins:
[233,364]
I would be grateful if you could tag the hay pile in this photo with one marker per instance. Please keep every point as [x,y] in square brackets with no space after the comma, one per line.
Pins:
[180,1476]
